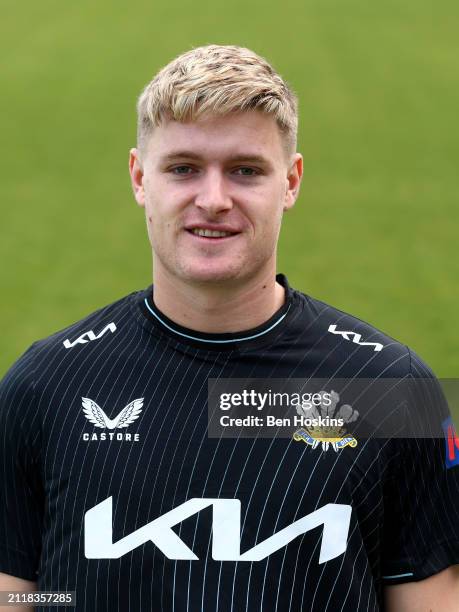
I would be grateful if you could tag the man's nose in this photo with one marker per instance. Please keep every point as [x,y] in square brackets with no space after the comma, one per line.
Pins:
[213,194]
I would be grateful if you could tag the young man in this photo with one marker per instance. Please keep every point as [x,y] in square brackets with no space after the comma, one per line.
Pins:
[111,485]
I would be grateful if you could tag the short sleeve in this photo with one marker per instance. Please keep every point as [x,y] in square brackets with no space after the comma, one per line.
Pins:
[21,491]
[421,521]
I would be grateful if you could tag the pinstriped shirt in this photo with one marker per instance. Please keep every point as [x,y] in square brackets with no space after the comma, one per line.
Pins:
[103,430]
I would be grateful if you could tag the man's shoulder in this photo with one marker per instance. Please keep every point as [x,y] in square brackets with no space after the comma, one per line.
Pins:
[352,340]
[338,322]
[66,357]
[111,316]
[109,321]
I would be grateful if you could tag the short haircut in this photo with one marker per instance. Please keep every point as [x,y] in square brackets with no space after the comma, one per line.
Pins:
[217,80]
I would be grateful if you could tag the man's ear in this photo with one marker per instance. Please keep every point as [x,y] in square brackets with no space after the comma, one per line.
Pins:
[136,172]
[293,181]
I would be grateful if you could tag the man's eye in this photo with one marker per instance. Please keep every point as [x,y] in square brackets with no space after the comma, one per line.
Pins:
[246,171]
[182,170]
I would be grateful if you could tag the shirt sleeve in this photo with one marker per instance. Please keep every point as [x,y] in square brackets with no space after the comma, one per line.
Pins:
[21,492]
[421,525]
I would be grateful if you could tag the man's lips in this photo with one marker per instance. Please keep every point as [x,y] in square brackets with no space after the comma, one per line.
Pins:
[212,238]
[216,227]
[208,228]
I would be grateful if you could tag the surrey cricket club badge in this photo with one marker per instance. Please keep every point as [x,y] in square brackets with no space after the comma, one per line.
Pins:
[325,424]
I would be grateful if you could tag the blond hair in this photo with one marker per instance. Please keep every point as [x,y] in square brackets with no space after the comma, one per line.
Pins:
[217,80]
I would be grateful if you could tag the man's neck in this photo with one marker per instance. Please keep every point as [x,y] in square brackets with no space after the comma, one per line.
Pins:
[218,309]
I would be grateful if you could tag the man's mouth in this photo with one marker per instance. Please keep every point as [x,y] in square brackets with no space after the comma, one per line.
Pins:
[213,234]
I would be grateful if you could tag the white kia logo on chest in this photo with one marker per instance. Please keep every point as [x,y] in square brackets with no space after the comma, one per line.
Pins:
[226,532]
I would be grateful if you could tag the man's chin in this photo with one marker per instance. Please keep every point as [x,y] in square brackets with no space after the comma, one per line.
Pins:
[212,275]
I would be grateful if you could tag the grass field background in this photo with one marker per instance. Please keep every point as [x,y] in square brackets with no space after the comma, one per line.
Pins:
[375,230]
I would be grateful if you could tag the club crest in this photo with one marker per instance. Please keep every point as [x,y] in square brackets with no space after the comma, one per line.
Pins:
[328,424]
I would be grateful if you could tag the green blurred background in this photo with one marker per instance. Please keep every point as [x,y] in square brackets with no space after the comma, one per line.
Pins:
[375,230]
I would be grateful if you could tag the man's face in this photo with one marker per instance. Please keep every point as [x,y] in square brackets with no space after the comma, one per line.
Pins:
[214,191]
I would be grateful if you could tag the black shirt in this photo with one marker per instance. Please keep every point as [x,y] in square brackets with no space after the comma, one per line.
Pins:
[103,430]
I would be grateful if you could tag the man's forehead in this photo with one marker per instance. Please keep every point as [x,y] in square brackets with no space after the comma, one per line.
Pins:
[249,135]
[246,155]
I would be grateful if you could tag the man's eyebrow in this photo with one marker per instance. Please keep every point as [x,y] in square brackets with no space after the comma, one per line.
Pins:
[248,157]
[237,157]
[180,155]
